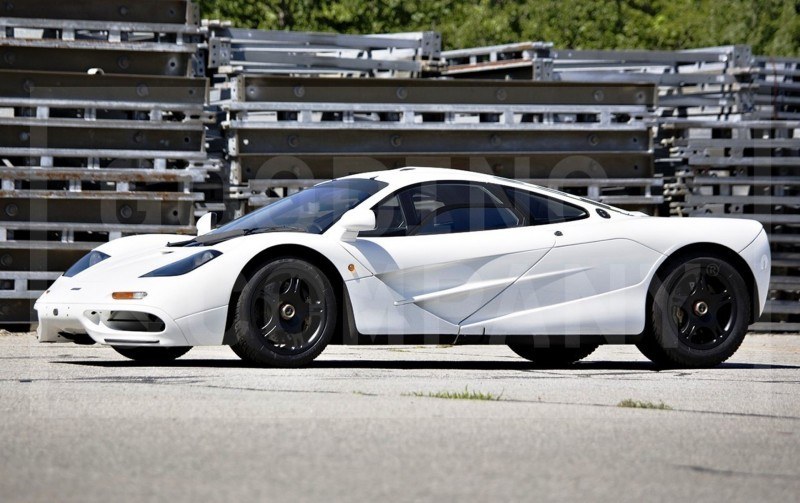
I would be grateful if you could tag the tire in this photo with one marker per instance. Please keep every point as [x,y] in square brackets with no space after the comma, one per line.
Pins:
[552,357]
[153,356]
[285,315]
[699,314]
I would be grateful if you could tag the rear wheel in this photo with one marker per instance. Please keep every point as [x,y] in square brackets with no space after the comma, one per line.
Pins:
[552,357]
[285,315]
[152,355]
[699,315]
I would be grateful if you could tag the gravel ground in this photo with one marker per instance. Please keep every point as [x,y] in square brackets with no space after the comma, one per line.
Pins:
[80,423]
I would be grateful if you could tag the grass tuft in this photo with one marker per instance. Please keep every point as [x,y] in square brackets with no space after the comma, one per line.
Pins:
[638,404]
[460,395]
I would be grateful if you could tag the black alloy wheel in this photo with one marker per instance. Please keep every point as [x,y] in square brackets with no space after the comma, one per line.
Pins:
[699,314]
[285,315]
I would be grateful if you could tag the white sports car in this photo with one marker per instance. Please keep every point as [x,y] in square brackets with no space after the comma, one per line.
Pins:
[422,256]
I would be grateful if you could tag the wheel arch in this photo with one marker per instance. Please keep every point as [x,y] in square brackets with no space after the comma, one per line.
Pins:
[295,251]
[707,250]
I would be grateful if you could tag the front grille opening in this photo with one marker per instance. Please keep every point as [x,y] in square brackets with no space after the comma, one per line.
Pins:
[133,321]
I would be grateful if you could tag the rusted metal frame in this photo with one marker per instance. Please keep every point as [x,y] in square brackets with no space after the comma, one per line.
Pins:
[114,29]
[48,245]
[94,45]
[102,153]
[138,195]
[102,175]
[97,227]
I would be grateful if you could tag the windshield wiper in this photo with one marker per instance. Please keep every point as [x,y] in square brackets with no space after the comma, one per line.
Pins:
[274,228]
[213,238]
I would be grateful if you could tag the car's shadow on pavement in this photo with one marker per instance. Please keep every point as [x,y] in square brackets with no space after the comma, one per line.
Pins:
[422,365]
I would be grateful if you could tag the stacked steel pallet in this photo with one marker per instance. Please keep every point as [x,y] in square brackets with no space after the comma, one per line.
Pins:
[101,132]
[726,128]
[308,128]
[242,51]
[288,125]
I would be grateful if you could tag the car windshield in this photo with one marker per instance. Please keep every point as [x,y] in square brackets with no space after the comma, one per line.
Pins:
[311,210]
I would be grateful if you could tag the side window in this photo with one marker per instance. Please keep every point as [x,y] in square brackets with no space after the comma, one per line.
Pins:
[449,220]
[444,208]
[541,210]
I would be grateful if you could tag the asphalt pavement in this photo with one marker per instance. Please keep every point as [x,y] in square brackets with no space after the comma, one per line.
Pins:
[82,424]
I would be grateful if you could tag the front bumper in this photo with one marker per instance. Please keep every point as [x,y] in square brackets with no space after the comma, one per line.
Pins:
[70,308]
[57,318]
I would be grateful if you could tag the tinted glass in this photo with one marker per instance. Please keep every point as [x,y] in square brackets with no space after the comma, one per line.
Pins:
[311,210]
[468,219]
[444,208]
[543,210]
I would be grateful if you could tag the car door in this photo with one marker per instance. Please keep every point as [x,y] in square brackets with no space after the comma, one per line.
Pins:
[593,281]
[445,249]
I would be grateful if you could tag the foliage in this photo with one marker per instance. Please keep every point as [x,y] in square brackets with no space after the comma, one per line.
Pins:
[460,395]
[770,26]
[637,404]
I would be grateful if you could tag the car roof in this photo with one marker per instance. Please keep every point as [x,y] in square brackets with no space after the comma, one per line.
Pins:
[415,174]
[400,177]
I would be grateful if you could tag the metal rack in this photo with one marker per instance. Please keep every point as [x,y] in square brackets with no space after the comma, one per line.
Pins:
[297,128]
[237,51]
[102,133]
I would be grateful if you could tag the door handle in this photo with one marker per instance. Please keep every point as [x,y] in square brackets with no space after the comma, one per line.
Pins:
[559,233]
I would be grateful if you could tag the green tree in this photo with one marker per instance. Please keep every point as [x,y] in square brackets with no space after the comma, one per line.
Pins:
[770,26]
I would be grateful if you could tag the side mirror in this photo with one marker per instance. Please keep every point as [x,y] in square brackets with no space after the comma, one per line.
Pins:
[356,221]
[206,223]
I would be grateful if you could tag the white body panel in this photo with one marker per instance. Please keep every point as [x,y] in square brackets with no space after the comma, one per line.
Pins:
[449,276]
[588,276]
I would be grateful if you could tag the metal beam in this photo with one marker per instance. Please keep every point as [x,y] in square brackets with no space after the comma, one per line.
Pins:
[40,88]
[80,56]
[33,134]
[121,11]
[439,92]
[537,165]
[330,141]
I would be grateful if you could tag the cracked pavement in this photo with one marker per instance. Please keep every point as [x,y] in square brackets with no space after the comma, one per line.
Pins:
[81,423]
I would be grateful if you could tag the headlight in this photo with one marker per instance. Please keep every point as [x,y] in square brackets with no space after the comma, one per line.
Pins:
[184,265]
[87,261]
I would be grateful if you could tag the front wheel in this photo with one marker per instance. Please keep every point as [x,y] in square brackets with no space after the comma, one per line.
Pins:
[152,355]
[699,315]
[285,315]
[556,357]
